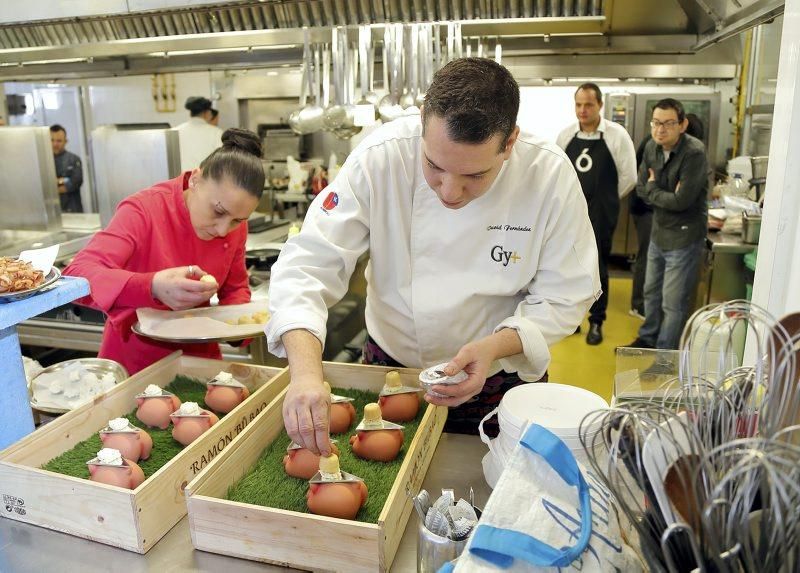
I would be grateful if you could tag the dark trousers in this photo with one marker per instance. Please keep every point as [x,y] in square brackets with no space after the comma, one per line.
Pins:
[643,224]
[463,419]
[597,313]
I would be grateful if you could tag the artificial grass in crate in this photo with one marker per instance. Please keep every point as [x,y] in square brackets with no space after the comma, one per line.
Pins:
[268,485]
[73,462]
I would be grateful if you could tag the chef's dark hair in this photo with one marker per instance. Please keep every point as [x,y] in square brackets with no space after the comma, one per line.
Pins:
[238,161]
[56,127]
[476,97]
[591,87]
[197,105]
[670,103]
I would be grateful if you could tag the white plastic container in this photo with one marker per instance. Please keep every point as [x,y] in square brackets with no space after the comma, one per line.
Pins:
[557,407]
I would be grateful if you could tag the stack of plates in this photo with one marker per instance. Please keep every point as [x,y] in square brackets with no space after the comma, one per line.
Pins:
[557,407]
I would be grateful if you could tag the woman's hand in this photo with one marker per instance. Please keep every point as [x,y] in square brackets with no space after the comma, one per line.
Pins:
[306,414]
[180,289]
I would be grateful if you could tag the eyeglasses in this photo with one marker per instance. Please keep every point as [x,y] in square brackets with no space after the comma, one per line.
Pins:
[671,124]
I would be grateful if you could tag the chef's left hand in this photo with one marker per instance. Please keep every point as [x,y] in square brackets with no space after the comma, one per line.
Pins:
[474,358]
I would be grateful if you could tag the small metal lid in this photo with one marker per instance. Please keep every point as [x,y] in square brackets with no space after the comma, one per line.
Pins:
[346,478]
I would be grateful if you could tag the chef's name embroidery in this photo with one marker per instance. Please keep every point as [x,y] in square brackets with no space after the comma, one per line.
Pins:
[504,257]
[523,228]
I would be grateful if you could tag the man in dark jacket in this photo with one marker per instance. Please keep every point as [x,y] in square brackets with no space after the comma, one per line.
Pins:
[673,179]
[69,171]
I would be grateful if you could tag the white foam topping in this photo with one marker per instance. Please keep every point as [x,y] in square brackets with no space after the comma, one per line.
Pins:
[118,424]
[152,390]
[109,457]
[189,409]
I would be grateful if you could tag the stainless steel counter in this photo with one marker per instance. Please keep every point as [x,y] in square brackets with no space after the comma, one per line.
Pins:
[725,277]
[727,243]
[25,548]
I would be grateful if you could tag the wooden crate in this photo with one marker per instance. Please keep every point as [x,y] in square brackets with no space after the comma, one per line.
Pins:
[304,540]
[130,519]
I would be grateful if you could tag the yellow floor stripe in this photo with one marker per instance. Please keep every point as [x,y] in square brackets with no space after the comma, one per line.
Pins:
[593,367]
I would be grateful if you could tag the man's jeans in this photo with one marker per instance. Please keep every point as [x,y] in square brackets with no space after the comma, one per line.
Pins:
[644,225]
[669,287]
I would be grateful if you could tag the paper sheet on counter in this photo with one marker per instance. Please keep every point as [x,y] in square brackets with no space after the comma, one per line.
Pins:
[41,259]
[206,322]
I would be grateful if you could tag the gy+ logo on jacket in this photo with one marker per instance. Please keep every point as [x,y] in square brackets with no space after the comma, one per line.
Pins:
[501,256]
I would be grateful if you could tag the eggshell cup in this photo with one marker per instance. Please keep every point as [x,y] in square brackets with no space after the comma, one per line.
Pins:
[187,429]
[343,414]
[302,463]
[223,399]
[134,446]
[377,445]
[399,407]
[154,411]
[129,475]
[336,499]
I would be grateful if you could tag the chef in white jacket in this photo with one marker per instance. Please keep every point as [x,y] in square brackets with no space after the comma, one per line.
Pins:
[481,252]
[197,137]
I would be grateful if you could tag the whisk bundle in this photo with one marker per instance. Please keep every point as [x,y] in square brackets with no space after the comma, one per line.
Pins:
[708,473]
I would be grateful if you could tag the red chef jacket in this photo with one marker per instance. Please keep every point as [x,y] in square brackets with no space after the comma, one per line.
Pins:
[151,231]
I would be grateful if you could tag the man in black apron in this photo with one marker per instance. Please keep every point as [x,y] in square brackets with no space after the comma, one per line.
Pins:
[597,148]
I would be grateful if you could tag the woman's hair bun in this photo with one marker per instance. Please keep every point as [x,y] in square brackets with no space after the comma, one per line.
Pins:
[197,104]
[242,140]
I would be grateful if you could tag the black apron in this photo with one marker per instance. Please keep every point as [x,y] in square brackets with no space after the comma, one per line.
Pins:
[598,176]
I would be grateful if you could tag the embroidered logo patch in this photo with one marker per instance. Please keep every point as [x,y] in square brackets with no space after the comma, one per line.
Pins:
[330,201]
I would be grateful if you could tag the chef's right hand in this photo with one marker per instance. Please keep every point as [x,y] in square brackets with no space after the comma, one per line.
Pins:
[306,414]
[180,289]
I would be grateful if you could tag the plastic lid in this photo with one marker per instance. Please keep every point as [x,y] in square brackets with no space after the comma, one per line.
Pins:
[557,407]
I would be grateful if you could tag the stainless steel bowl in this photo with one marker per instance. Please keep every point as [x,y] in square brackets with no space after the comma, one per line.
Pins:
[98,366]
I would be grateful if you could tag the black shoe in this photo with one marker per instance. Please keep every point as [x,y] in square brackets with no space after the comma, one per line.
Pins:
[662,366]
[638,343]
[595,334]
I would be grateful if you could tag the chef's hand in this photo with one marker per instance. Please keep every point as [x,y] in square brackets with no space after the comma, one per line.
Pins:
[306,413]
[474,358]
[652,175]
[180,289]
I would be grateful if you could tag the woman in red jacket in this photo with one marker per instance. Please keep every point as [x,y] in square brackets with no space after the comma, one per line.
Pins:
[163,239]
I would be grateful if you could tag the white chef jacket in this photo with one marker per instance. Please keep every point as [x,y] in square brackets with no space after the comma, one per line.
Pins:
[619,144]
[521,256]
[197,139]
